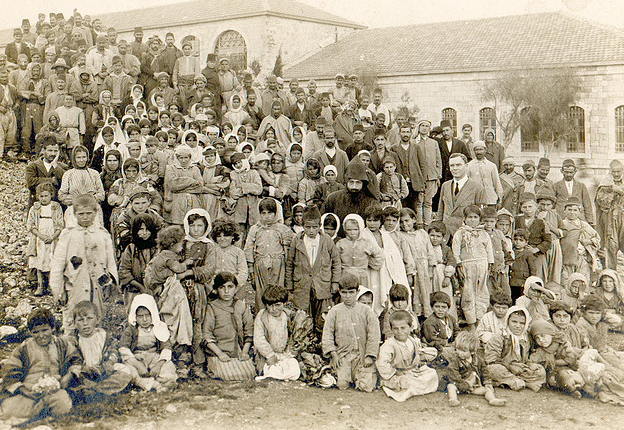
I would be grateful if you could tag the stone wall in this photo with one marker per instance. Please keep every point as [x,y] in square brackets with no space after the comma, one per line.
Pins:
[264,35]
[603,92]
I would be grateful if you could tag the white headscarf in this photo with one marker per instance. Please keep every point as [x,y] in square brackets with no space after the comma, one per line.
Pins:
[201,212]
[161,331]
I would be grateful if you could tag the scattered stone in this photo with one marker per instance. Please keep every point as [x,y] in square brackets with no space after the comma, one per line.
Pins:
[172,409]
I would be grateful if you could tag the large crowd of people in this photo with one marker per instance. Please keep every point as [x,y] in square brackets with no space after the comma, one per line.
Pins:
[382,252]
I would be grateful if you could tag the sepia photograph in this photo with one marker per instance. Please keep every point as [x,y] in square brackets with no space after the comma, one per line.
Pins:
[311,214]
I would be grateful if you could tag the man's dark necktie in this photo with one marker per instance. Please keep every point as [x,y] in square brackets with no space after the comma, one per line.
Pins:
[456,188]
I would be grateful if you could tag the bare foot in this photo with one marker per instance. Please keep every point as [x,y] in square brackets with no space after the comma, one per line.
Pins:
[454,403]
[497,402]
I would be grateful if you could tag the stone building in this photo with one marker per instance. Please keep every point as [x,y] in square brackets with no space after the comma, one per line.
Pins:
[441,69]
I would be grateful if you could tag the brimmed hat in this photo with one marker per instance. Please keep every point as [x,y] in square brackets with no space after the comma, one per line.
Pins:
[60,63]
[568,163]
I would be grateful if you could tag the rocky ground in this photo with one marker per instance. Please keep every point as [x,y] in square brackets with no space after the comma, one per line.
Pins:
[265,404]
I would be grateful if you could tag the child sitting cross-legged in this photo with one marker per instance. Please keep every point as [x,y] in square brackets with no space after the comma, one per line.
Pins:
[493,321]
[351,338]
[557,356]
[507,355]
[398,301]
[145,346]
[401,361]
[35,375]
[462,369]
[227,333]
[440,328]
[95,365]
[271,337]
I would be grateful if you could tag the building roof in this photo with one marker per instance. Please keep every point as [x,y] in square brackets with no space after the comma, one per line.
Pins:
[199,11]
[544,39]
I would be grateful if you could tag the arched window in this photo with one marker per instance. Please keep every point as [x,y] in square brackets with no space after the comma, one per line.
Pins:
[231,44]
[487,119]
[529,139]
[576,142]
[450,114]
[619,128]
[194,41]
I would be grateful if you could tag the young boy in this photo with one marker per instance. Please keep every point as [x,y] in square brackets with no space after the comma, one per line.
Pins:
[401,362]
[539,239]
[95,367]
[507,355]
[83,266]
[398,301]
[472,248]
[351,338]
[498,278]
[34,376]
[523,266]
[493,322]
[312,268]
[439,329]
[579,244]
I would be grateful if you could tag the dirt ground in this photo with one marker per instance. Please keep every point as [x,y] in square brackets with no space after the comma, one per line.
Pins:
[270,404]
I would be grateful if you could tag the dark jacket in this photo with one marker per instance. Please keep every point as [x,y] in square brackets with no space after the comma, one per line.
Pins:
[36,174]
[457,147]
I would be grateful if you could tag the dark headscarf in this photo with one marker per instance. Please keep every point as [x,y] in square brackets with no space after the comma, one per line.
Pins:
[152,227]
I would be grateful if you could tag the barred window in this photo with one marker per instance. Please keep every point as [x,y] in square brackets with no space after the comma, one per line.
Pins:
[529,138]
[487,119]
[450,115]
[231,44]
[576,141]
[619,128]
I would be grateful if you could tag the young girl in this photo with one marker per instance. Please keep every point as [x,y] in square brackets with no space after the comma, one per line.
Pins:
[95,366]
[271,337]
[135,257]
[80,180]
[472,248]
[191,139]
[392,270]
[423,255]
[611,290]
[534,300]
[183,186]
[229,258]
[330,224]
[45,223]
[145,346]
[392,185]
[227,333]
[162,280]
[296,221]
[507,356]
[498,277]
[216,181]
[235,113]
[359,252]
[118,195]
[554,223]
[104,143]
[266,248]
[324,189]
[294,168]
[493,321]
[313,179]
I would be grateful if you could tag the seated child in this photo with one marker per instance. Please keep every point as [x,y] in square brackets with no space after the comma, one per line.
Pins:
[507,355]
[398,301]
[493,322]
[575,291]
[440,327]
[95,366]
[610,288]
[561,315]
[351,338]
[533,300]
[557,356]
[462,370]
[145,346]
[401,361]
[227,333]
[271,337]
[78,272]
[34,376]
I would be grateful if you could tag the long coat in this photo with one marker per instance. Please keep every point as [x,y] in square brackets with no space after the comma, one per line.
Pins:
[301,277]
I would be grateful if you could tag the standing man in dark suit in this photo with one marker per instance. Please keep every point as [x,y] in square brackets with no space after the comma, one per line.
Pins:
[450,145]
[457,193]
[17,47]
[570,187]
[45,169]
[408,157]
